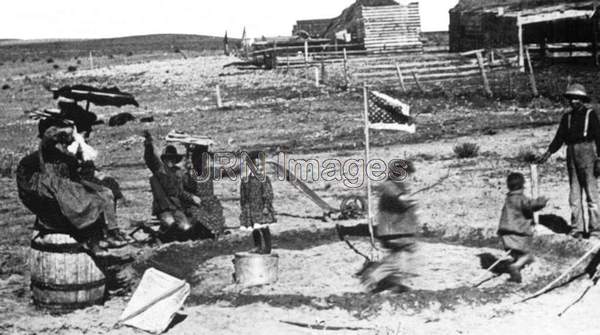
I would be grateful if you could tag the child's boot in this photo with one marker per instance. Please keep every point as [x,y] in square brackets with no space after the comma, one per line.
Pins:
[256,237]
[515,273]
[266,239]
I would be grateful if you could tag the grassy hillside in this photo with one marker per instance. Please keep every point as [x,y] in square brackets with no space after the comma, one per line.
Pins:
[37,50]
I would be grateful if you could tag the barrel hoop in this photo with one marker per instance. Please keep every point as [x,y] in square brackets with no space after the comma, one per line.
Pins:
[67,287]
[70,306]
[66,248]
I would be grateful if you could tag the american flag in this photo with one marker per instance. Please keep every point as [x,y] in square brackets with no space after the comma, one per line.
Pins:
[387,113]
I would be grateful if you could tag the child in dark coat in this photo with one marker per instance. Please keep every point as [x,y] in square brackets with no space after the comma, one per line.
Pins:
[516,224]
[256,200]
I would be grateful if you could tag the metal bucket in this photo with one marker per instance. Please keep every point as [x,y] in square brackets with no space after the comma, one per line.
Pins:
[253,269]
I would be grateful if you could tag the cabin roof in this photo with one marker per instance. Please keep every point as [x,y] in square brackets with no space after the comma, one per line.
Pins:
[518,5]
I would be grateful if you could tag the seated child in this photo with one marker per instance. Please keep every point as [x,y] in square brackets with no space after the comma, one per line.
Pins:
[516,224]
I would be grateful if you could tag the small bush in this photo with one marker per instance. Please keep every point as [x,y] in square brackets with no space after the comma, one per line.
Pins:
[79,62]
[527,155]
[5,86]
[466,150]
[49,60]
[55,66]
[72,68]
[129,54]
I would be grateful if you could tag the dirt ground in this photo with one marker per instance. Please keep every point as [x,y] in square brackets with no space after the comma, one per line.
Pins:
[317,279]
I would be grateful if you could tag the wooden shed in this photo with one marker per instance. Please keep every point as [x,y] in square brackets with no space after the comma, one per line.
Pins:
[476,24]
[380,25]
[314,28]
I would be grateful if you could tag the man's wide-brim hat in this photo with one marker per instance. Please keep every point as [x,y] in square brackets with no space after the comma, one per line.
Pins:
[170,153]
[577,91]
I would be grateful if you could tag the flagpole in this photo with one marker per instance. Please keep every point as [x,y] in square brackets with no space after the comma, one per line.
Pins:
[367,158]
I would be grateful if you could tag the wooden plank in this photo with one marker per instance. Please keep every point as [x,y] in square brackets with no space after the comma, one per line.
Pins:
[398,38]
[486,83]
[472,52]
[346,80]
[520,37]
[423,76]
[556,15]
[390,41]
[534,89]
[424,69]
[417,82]
[400,77]
[413,65]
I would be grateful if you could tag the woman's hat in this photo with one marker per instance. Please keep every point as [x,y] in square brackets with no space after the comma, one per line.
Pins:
[576,91]
[170,153]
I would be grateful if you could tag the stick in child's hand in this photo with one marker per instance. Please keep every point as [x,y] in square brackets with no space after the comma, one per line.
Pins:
[535,189]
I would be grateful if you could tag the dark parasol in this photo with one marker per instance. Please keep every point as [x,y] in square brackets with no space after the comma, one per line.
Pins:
[105,96]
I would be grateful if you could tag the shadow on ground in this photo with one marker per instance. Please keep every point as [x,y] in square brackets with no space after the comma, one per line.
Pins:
[366,305]
[555,223]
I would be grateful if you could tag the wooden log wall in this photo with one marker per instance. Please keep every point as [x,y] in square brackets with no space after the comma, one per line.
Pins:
[387,28]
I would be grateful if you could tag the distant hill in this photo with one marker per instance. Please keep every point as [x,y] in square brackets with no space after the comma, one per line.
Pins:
[40,49]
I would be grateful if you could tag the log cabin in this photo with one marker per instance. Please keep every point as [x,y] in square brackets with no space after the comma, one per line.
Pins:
[487,24]
[379,25]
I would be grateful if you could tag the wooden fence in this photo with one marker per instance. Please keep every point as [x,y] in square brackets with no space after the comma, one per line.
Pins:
[445,67]
[475,68]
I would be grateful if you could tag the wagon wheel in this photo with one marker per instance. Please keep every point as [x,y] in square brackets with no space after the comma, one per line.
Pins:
[353,207]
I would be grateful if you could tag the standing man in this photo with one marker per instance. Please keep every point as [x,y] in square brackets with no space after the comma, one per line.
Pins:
[579,129]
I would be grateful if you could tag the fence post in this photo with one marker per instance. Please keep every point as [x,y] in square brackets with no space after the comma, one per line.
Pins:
[534,89]
[486,83]
[306,51]
[520,36]
[595,36]
[417,82]
[316,76]
[218,96]
[306,75]
[323,73]
[400,77]
[346,68]
[274,58]
[91,61]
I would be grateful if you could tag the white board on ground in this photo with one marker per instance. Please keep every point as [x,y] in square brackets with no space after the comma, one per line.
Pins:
[155,302]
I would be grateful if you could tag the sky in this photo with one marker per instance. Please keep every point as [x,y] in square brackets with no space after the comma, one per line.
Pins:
[41,19]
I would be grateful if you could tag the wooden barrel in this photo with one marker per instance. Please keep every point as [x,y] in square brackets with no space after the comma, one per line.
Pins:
[63,276]
[253,269]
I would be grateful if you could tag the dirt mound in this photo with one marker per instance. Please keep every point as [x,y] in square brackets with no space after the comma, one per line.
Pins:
[324,277]
[350,15]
